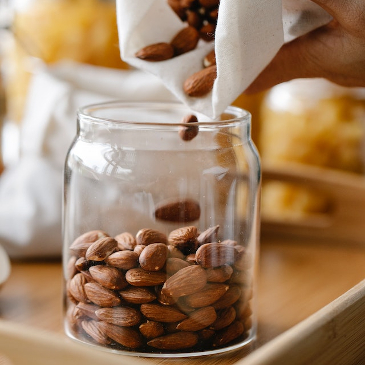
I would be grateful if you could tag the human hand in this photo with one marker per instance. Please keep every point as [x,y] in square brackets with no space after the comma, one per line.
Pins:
[335,51]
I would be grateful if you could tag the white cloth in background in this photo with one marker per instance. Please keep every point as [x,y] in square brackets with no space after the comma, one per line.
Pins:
[31,190]
[248,35]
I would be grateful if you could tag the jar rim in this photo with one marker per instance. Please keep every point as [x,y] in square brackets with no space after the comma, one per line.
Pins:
[85,112]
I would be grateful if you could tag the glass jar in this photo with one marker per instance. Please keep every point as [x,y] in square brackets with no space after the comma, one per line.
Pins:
[161,227]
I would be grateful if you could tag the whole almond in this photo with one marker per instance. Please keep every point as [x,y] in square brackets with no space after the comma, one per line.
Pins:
[123,260]
[209,235]
[215,254]
[126,241]
[146,236]
[229,298]
[101,296]
[161,313]
[200,83]
[245,259]
[151,329]
[185,40]
[138,249]
[207,32]
[175,252]
[174,264]
[188,132]
[209,59]
[140,277]
[224,318]
[184,239]
[186,281]
[187,210]
[198,320]
[82,243]
[228,334]
[127,337]
[207,295]
[137,295]
[93,330]
[101,249]
[77,288]
[121,316]
[156,52]
[109,277]
[219,274]
[175,341]
[88,310]
[153,257]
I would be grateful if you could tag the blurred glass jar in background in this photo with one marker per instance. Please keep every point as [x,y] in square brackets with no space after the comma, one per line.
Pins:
[161,230]
[312,122]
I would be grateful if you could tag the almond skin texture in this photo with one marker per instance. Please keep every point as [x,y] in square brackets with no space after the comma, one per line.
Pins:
[127,337]
[121,316]
[215,254]
[140,277]
[151,329]
[230,297]
[147,236]
[93,330]
[219,274]
[185,40]
[82,243]
[161,313]
[174,264]
[109,277]
[101,296]
[225,318]
[101,249]
[88,310]
[188,132]
[185,282]
[200,83]
[76,288]
[228,334]
[184,239]
[175,341]
[156,52]
[182,211]
[206,296]
[126,241]
[153,257]
[198,320]
[137,295]
[124,260]
[209,235]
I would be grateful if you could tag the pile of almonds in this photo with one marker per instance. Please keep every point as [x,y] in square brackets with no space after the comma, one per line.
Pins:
[201,18]
[152,292]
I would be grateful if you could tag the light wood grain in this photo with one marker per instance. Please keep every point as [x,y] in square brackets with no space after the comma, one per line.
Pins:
[296,279]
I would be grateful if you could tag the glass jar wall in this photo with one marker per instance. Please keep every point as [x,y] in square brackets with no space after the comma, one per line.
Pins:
[161,230]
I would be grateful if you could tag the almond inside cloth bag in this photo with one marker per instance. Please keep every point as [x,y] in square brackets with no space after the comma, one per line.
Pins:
[248,34]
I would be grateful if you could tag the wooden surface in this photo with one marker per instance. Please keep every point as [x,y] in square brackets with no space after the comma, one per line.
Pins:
[297,278]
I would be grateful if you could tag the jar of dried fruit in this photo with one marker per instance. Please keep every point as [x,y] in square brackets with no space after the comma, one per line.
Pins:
[161,216]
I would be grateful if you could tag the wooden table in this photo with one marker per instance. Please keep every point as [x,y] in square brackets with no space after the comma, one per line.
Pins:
[297,278]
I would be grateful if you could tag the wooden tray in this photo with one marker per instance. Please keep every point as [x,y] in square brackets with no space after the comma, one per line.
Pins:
[333,335]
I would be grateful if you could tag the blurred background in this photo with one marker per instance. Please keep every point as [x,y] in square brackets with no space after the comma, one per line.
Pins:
[56,55]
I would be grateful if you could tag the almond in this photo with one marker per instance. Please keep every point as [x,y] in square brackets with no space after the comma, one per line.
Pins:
[161,313]
[206,334]
[206,296]
[153,257]
[184,239]
[140,277]
[209,59]
[156,52]
[123,260]
[175,252]
[164,299]
[138,249]
[151,329]
[198,320]
[194,18]
[185,40]
[82,243]
[228,334]
[186,281]
[101,296]
[121,316]
[109,277]
[225,318]
[188,132]
[137,295]
[101,249]
[215,254]
[147,236]
[245,259]
[174,264]
[209,3]
[77,289]
[183,211]
[177,8]
[126,241]
[209,235]
[207,32]
[127,337]
[88,310]
[229,298]
[200,83]
[93,330]
[219,274]
[71,269]
[175,341]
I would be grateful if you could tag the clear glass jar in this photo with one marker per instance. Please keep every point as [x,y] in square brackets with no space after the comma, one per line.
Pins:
[161,228]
